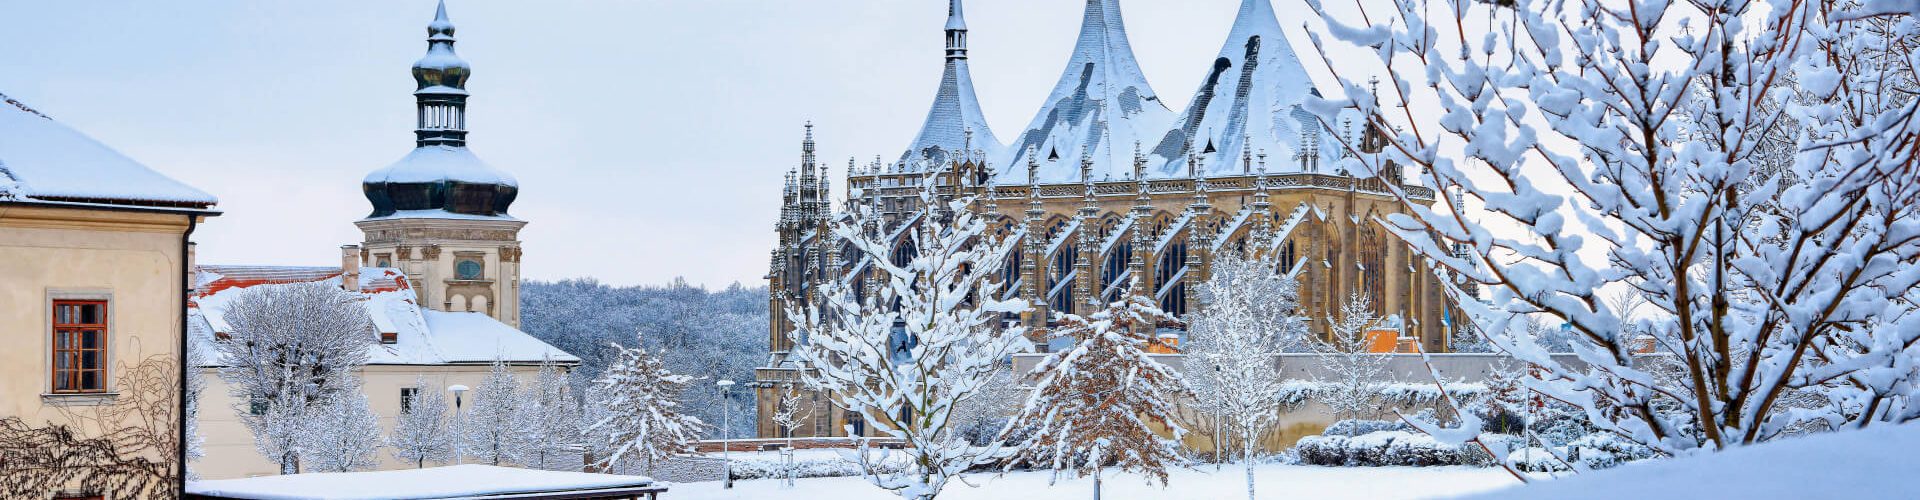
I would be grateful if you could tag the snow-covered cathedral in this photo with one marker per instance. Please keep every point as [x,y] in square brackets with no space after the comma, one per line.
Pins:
[1107,183]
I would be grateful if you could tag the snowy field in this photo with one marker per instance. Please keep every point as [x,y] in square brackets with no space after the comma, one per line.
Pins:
[1274,481]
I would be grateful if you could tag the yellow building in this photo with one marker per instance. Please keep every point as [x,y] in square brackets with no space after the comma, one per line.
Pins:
[438,269]
[1107,185]
[94,254]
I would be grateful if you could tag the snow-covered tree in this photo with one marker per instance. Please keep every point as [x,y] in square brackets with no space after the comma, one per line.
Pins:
[194,385]
[1100,403]
[490,431]
[420,435]
[293,347]
[921,342]
[551,418]
[1233,347]
[344,435]
[791,412]
[1351,374]
[639,412]
[712,334]
[1608,144]
[982,418]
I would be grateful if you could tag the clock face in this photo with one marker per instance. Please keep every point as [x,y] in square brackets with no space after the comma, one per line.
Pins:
[467,270]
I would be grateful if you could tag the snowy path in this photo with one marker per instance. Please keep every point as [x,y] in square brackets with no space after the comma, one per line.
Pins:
[1274,481]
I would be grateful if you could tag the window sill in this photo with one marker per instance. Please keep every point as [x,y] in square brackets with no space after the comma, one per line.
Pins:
[79,398]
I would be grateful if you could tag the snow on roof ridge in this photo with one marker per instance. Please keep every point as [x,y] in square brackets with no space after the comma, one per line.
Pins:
[1230,105]
[1101,106]
[46,160]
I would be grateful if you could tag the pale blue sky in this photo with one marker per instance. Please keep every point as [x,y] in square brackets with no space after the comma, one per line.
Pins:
[649,137]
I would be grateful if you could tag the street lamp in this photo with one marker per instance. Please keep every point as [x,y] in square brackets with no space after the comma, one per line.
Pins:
[458,390]
[725,430]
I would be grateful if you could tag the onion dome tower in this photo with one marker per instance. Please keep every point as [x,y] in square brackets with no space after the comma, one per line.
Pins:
[956,111]
[440,214]
[440,177]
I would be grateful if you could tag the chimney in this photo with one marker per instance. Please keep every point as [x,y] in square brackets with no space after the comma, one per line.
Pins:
[350,267]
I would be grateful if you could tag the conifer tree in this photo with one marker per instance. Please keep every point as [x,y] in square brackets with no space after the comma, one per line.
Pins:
[637,399]
[1101,401]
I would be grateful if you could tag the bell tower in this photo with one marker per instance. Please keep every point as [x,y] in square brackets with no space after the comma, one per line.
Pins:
[440,214]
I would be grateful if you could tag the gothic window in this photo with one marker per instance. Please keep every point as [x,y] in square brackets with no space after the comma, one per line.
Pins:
[1174,301]
[904,253]
[1062,272]
[468,269]
[1287,256]
[1373,261]
[1115,270]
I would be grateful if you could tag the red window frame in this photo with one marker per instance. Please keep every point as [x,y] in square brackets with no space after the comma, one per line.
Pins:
[72,351]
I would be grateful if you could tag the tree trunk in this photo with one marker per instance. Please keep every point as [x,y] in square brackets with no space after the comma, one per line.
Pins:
[1096,483]
[1246,454]
[289,463]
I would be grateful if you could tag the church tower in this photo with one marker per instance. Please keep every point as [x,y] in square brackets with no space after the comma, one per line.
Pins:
[440,214]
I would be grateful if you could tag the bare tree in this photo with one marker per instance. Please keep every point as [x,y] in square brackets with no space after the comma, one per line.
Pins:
[128,448]
[491,430]
[1233,348]
[1352,374]
[292,349]
[1653,128]
[927,337]
[421,435]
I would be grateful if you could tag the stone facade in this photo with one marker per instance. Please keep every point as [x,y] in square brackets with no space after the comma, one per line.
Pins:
[432,252]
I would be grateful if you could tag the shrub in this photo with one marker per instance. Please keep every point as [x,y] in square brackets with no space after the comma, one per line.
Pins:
[1386,448]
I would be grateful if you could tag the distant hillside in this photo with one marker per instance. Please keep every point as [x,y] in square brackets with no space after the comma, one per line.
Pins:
[708,334]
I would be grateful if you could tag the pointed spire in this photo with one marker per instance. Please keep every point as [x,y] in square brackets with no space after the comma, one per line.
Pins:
[943,138]
[1101,102]
[1246,95]
[956,31]
[440,82]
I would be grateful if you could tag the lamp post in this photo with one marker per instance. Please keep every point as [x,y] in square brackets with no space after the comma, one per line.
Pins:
[726,460]
[458,390]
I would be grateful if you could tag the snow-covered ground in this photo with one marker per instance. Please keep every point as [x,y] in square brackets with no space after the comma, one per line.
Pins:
[1273,481]
[1874,463]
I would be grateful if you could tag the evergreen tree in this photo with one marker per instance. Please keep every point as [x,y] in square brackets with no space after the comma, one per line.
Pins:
[1100,402]
[640,415]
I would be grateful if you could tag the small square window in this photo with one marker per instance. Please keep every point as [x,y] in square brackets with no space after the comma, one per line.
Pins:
[389,338]
[257,405]
[407,396]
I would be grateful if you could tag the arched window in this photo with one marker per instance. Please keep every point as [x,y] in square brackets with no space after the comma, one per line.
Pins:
[479,305]
[1373,262]
[1061,272]
[1287,256]
[457,303]
[1114,269]
[1174,301]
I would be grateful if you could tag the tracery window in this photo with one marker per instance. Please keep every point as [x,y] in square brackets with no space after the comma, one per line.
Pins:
[1373,262]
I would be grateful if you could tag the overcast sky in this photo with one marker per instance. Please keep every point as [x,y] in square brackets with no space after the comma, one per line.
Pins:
[649,137]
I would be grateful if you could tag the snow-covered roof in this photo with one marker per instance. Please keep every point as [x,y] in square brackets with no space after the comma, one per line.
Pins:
[422,336]
[1253,91]
[44,160]
[1101,107]
[955,110]
[453,481]
[437,163]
